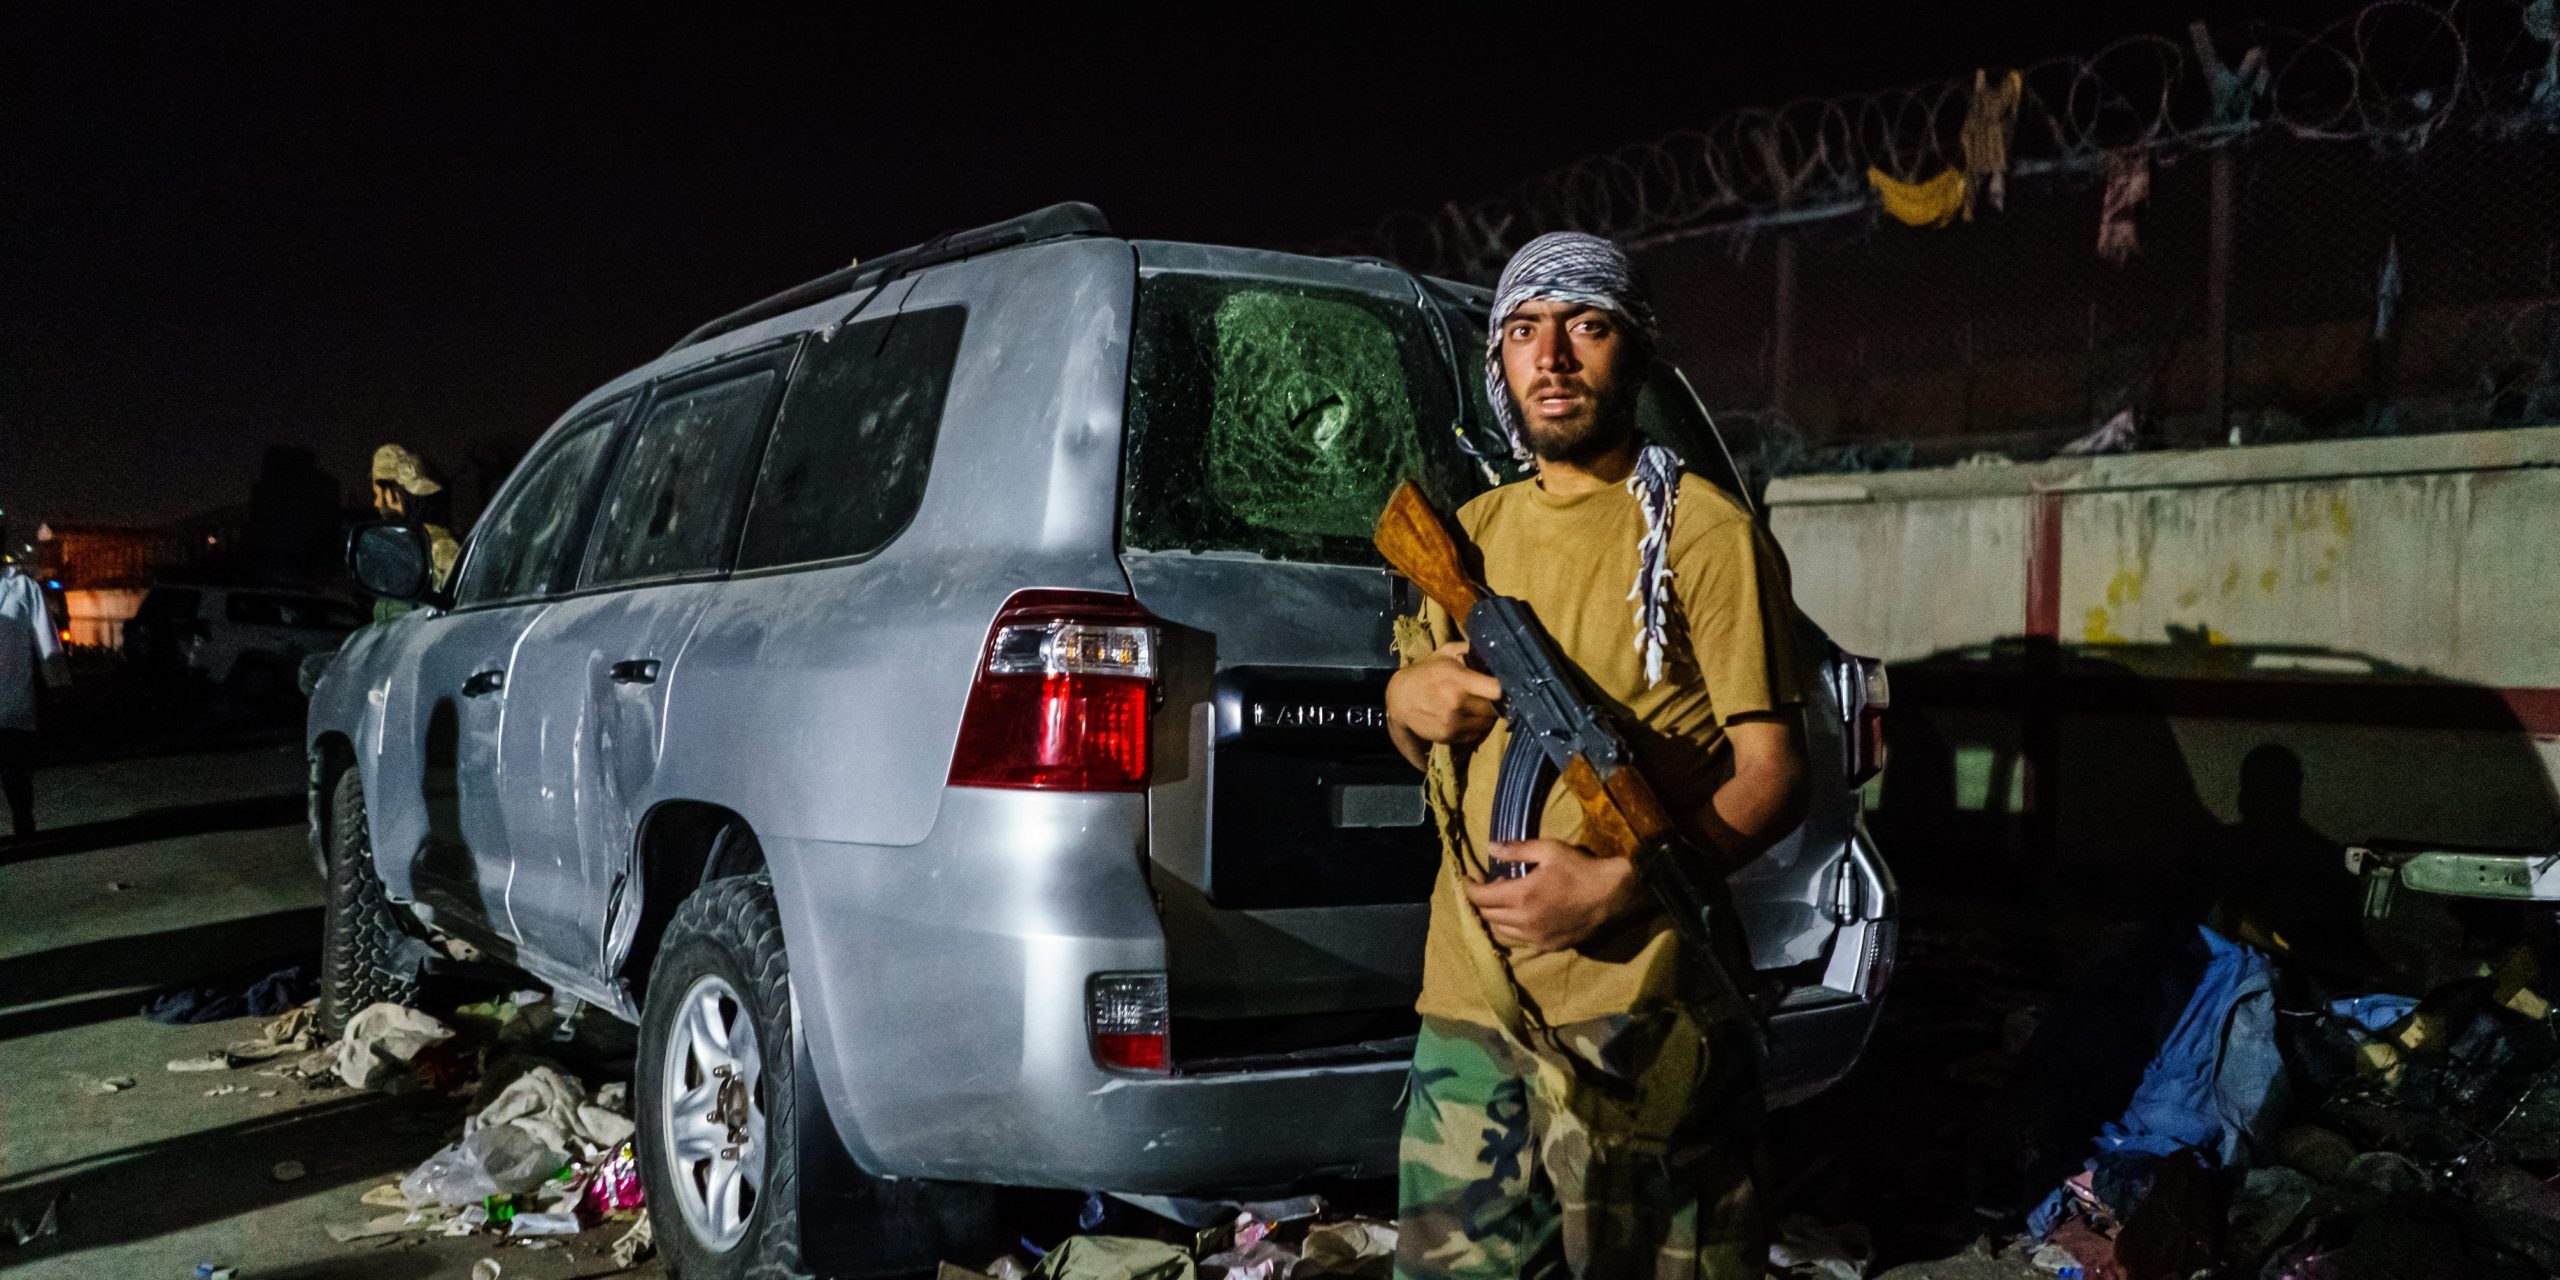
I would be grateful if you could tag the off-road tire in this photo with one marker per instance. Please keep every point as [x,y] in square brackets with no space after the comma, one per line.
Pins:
[728,927]
[365,956]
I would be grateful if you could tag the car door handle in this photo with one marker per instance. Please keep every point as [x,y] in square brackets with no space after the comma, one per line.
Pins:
[484,682]
[635,671]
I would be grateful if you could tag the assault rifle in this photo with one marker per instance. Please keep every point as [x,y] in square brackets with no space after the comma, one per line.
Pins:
[1557,729]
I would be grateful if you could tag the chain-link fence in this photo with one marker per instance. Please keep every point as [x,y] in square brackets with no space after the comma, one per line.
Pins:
[2350,231]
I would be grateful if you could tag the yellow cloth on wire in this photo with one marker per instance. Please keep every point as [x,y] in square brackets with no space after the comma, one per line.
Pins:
[1934,203]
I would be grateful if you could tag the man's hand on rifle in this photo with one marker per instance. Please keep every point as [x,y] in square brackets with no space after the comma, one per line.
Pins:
[1441,699]
[1566,896]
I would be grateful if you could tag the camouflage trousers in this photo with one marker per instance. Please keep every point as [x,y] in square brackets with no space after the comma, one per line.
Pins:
[1633,1153]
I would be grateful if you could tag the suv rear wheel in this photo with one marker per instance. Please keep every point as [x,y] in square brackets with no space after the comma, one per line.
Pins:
[719,1151]
[365,956]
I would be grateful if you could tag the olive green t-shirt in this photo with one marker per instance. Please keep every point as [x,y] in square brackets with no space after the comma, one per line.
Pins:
[1732,651]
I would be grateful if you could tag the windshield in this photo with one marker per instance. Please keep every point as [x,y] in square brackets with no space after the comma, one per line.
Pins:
[1275,418]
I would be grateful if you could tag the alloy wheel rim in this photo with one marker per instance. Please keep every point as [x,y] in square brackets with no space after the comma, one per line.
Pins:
[712,1113]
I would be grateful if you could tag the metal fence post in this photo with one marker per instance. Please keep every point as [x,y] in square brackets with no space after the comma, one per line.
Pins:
[2217,305]
[1783,328]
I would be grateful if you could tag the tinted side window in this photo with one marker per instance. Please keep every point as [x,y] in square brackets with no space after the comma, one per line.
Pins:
[523,548]
[166,604]
[675,506]
[847,465]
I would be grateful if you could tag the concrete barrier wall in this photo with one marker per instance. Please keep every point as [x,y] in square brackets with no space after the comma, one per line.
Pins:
[2384,614]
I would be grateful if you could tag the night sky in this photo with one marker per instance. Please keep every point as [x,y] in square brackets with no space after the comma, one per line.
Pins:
[224,227]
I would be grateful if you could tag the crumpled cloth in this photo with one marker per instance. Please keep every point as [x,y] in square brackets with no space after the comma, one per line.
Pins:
[554,1108]
[2128,185]
[1355,1250]
[265,998]
[382,1040]
[1933,203]
[1115,1258]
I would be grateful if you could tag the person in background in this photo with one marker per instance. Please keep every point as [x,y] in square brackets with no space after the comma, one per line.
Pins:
[29,652]
[404,489]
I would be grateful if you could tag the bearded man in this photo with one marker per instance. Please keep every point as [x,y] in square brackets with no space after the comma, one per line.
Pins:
[1585,1097]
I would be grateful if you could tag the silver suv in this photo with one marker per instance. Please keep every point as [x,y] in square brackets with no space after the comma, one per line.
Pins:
[941,706]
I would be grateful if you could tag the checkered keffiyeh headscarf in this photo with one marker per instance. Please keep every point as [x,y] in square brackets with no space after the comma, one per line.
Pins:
[1568,266]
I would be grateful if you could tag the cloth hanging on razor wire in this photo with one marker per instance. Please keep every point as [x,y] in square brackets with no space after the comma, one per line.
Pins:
[1933,203]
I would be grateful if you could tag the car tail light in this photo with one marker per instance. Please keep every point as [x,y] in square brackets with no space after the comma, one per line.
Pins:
[1125,1013]
[1062,696]
[1865,694]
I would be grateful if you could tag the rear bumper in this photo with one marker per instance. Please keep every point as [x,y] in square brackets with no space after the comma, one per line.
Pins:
[940,993]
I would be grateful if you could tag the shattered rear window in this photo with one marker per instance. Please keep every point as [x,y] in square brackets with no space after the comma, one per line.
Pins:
[1275,418]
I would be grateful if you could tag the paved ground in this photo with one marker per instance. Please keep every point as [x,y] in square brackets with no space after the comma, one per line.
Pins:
[174,870]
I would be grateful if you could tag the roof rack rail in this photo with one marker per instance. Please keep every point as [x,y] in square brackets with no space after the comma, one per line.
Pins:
[1066,221]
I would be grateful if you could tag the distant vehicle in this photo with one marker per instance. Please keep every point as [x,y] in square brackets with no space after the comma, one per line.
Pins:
[948,719]
[243,638]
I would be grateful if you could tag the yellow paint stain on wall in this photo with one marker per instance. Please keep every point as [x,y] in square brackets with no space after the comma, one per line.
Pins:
[2188,599]
[2342,519]
[2323,574]
[2126,585]
[2096,631]
[2231,578]
[2267,582]
[2212,636]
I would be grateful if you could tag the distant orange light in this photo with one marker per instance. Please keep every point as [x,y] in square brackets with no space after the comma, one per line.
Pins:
[208,538]
[66,635]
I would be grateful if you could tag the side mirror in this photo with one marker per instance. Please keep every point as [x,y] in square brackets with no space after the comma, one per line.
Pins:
[389,559]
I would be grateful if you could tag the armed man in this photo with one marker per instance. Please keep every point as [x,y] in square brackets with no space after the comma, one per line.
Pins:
[1586,1097]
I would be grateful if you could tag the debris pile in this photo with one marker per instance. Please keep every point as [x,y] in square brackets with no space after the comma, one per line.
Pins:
[1277,1240]
[2283,1126]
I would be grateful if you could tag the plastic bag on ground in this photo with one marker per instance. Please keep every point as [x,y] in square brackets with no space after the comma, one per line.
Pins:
[382,1040]
[498,1161]
[1115,1258]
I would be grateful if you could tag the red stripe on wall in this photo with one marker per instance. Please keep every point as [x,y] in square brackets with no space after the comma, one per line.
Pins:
[2044,566]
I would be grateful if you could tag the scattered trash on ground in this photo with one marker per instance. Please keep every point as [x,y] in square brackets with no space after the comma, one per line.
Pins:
[2204,1106]
[636,1245]
[1276,1240]
[208,1271]
[381,1043]
[217,1060]
[46,1226]
[288,1171]
[111,1085]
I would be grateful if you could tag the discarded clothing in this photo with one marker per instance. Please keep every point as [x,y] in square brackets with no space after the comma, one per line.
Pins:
[1354,1250]
[554,1109]
[2128,186]
[1933,203]
[1115,1258]
[2216,1084]
[382,1040]
[2374,1012]
[1988,121]
[265,998]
